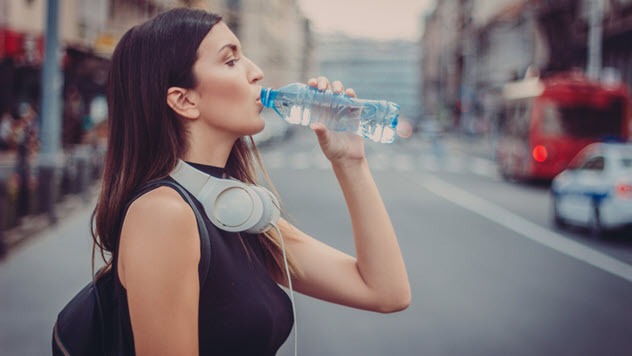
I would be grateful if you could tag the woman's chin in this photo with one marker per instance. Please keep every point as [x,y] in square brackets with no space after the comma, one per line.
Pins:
[261,126]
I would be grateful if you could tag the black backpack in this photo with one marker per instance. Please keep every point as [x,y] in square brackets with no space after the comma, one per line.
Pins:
[86,325]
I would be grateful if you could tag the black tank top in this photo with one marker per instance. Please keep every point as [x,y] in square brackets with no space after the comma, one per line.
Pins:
[242,311]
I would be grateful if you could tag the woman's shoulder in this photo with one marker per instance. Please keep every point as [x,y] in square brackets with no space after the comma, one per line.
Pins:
[159,241]
[160,218]
[160,206]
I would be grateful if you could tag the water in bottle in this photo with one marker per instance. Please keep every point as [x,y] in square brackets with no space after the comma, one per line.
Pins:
[303,105]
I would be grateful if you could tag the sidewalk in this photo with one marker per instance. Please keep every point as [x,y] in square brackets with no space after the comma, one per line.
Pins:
[39,276]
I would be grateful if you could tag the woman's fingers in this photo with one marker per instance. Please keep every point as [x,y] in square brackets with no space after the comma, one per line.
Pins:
[337,87]
[322,83]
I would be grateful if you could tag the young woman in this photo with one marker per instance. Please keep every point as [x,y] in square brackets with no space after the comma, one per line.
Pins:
[180,87]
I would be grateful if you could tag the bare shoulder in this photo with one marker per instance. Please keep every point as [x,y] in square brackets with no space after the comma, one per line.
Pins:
[159,225]
[160,208]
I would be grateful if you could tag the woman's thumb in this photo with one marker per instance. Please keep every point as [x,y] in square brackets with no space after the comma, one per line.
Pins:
[321,131]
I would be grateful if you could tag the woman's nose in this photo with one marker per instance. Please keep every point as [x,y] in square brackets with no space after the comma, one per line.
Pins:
[255,73]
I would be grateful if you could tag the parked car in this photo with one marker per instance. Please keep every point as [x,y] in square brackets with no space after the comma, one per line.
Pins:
[595,191]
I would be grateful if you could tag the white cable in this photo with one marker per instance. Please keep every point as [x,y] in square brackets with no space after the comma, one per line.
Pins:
[289,283]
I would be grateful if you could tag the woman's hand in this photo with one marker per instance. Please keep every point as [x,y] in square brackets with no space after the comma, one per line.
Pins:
[339,147]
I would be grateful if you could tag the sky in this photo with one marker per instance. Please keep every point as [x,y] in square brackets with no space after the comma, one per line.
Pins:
[377,19]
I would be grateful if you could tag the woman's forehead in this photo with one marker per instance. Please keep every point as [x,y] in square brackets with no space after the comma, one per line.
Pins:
[219,37]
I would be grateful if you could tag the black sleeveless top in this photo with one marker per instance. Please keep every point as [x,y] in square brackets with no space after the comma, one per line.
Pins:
[242,311]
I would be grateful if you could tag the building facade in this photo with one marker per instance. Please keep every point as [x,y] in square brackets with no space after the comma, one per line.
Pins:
[380,70]
[274,34]
[473,47]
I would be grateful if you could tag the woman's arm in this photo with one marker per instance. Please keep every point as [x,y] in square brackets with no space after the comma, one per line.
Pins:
[376,279]
[159,255]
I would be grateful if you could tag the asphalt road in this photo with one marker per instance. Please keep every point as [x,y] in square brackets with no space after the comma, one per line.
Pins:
[488,274]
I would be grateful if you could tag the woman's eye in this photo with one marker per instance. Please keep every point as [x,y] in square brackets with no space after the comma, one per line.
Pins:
[232,62]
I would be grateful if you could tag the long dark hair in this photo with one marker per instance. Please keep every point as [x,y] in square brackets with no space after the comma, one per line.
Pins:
[146,137]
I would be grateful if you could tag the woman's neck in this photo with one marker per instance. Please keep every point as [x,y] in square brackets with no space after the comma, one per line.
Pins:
[208,149]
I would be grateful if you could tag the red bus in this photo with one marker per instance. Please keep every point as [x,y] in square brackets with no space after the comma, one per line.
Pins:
[544,123]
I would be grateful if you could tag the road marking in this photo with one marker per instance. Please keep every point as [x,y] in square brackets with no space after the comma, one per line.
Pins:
[428,163]
[273,159]
[321,162]
[525,227]
[380,161]
[300,160]
[482,166]
[403,163]
[454,164]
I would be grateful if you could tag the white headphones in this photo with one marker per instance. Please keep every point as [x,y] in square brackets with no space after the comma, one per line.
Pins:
[231,205]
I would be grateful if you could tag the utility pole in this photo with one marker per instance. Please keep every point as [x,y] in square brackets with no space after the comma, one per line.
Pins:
[468,53]
[595,30]
[50,153]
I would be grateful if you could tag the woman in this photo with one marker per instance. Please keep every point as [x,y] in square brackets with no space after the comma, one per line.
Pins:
[181,88]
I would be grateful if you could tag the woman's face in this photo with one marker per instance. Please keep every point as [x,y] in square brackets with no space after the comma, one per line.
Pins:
[227,85]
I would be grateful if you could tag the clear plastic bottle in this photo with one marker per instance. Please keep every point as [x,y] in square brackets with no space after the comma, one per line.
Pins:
[303,105]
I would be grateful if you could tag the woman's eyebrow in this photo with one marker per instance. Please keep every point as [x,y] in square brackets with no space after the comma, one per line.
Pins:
[232,46]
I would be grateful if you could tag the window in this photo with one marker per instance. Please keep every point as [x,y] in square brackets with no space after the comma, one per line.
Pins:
[551,120]
[594,164]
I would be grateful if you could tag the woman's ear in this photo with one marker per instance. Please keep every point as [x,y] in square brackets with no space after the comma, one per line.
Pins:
[183,102]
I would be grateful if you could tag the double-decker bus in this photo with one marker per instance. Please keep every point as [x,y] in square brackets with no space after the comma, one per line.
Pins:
[544,123]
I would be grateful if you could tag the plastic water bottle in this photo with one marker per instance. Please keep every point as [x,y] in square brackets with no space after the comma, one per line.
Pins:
[303,105]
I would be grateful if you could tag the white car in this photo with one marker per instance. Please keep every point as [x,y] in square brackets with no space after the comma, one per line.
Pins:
[596,190]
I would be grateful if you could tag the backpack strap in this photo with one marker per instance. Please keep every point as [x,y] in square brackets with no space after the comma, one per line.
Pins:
[205,241]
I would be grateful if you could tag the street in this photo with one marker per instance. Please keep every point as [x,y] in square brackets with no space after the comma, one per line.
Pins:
[489,274]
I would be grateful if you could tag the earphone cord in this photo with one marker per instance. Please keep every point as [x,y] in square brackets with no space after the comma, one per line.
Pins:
[289,283]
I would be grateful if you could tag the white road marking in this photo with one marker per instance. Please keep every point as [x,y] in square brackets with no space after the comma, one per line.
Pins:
[300,160]
[273,160]
[454,164]
[483,167]
[525,227]
[428,163]
[404,163]
[378,161]
[321,162]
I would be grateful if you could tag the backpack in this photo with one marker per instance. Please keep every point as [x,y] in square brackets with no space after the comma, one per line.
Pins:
[86,325]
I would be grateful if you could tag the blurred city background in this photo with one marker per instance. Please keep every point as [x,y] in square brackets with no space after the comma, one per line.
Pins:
[512,197]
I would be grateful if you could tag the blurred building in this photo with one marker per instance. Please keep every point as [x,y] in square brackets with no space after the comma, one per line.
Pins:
[566,25]
[472,47]
[381,70]
[274,34]
[507,40]
[442,60]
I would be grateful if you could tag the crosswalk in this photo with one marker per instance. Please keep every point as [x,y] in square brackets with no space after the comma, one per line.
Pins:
[380,161]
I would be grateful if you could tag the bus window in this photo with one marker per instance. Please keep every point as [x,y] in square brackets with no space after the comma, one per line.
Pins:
[551,119]
[586,121]
[514,121]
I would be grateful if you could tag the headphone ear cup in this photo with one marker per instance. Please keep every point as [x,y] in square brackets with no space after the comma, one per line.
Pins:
[231,205]
[232,208]
[271,211]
